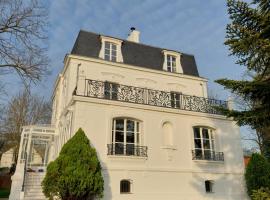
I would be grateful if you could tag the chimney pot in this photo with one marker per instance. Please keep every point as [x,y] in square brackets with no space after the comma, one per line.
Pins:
[134,35]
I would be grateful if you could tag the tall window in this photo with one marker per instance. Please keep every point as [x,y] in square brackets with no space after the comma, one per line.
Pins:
[125,136]
[125,186]
[110,90]
[175,100]
[171,63]
[110,51]
[204,142]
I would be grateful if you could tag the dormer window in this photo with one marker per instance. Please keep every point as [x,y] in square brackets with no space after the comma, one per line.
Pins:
[111,49]
[172,62]
[110,52]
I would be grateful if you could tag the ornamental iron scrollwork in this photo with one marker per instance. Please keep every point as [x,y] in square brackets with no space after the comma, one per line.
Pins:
[131,94]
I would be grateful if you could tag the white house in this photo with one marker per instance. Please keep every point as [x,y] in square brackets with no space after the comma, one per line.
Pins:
[145,110]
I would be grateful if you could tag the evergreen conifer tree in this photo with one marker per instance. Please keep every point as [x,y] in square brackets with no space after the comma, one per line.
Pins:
[248,38]
[257,173]
[76,173]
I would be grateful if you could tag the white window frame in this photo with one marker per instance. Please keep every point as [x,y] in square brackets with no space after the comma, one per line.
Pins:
[137,133]
[112,49]
[174,69]
[171,63]
[112,41]
[211,139]
[175,103]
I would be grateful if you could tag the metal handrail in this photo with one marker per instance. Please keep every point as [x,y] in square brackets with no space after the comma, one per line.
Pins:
[207,155]
[127,150]
[25,170]
[131,94]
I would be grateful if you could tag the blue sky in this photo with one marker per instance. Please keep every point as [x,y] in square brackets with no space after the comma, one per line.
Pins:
[195,27]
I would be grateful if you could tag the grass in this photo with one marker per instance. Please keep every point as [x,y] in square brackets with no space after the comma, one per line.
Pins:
[4,192]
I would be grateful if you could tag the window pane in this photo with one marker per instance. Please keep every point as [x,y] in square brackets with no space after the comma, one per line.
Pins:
[206,144]
[107,45]
[168,58]
[173,59]
[107,52]
[196,132]
[114,47]
[119,124]
[119,148]
[205,133]
[130,150]
[114,53]
[138,138]
[119,136]
[169,69]
[107,57]
[198,153]
[113,59]
[130,137]
[198,143]
[207,154]
[130,125]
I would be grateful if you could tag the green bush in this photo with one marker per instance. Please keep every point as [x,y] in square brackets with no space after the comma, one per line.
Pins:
[76,173]
[257,173]
[261,194]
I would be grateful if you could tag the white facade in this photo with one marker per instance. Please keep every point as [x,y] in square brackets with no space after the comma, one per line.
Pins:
[157,159]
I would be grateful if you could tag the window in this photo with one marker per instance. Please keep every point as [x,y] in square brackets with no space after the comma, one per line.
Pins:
[204,143]
[125,186]
[110,52]
[175,100]
[209,186]
[171,63]
[110,90]
[126,137]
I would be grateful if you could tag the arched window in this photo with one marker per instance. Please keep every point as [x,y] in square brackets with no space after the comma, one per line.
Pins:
[126,136]
[167,130]
[125,186]
[204,143]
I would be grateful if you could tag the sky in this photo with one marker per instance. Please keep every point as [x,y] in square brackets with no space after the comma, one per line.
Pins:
[194,27]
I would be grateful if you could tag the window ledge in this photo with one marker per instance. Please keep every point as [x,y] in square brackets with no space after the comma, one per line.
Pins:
[122,157]
[170,147]
[209,161]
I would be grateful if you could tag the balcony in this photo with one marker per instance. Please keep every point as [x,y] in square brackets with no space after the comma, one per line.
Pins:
[127,150]
[207,155]
[137,95]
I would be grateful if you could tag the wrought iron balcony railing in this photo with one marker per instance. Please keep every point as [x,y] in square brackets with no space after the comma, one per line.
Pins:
[131,94]
[207,155]
[127,150]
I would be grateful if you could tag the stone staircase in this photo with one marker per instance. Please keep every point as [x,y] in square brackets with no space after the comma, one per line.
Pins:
[33,189]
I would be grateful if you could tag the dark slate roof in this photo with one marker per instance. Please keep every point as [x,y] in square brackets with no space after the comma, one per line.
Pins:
[88,44]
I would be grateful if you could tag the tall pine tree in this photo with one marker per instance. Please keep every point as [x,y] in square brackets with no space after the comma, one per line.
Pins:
[248,38]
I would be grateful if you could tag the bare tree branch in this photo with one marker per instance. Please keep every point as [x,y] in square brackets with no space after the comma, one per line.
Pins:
[23,38]
[22,109]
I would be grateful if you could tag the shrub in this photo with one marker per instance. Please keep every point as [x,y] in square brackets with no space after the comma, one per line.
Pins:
[261,194]
[257,173]
[76,173]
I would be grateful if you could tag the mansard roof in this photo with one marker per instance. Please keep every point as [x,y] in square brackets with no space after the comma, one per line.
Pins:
[89,44]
